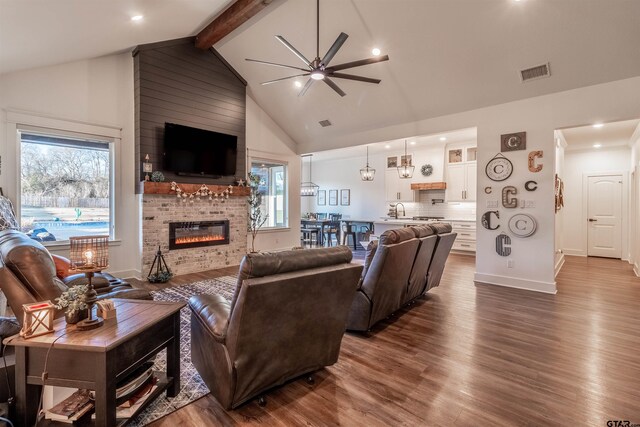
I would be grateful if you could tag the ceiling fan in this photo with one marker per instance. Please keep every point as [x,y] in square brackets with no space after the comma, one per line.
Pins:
[319,69]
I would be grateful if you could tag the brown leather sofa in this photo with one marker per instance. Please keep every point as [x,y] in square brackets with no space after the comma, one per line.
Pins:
[286,319]
[28,274]
[401,266]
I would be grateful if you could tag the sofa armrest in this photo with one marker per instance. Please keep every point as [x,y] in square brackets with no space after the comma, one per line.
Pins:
[214,312]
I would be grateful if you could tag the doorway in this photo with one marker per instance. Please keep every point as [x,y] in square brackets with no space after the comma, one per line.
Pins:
[604,215]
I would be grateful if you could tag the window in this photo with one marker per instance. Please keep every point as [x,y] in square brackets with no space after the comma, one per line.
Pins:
[273,187]
[65,186]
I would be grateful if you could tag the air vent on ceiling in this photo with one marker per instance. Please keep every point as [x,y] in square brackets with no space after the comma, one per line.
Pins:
[535,73]
[324,123]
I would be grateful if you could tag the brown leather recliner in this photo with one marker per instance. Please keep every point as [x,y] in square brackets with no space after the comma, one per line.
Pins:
[28,275]
[287,318]
[398,268]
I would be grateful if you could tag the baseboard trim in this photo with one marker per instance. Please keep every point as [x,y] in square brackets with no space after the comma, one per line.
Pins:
[559,265]
[127,274]
[636,269]
[574,252]
[513,282]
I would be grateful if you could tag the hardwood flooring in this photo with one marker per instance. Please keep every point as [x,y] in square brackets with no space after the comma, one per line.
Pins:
[474,355]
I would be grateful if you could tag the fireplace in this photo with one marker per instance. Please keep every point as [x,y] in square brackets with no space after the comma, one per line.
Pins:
[194,234]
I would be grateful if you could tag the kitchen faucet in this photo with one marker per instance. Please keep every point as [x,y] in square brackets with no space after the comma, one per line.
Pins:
[404,213]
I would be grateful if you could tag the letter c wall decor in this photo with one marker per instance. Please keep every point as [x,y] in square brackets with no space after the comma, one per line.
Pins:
[503,245]
[508,201]
[486,220]
[532,161]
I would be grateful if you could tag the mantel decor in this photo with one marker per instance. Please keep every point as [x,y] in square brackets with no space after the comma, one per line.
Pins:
[202,192]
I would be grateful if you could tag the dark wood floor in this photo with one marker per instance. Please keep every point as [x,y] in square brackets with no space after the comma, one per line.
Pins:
[475,355]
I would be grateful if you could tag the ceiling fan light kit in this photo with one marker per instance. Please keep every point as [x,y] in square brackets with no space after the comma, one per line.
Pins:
[319,68]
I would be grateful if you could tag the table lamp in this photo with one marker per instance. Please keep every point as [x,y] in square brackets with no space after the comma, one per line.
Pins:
[38,319]
[88,255]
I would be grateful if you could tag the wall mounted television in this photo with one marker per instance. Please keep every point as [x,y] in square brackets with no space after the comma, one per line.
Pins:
[191,151]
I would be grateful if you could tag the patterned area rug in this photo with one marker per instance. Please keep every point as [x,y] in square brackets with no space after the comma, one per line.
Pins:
[191,385]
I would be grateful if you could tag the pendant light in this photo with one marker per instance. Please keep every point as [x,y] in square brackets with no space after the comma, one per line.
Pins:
[405,170]
[367,173]
[307,188]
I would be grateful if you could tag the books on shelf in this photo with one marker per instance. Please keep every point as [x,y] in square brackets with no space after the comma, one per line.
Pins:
[71,408]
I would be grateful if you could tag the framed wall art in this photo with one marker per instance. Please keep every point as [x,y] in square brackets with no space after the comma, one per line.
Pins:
[345,197]
[513,141]
[322,197]
[333,197]
[405,160]
[392,162]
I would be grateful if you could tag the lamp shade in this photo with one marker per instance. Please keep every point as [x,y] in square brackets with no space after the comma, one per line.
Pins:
[89,253]
[38,319]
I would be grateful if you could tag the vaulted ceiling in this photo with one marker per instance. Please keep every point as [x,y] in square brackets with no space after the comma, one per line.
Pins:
[446,55]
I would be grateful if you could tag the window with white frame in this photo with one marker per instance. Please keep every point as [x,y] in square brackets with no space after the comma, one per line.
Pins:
[65,186]
[273,187]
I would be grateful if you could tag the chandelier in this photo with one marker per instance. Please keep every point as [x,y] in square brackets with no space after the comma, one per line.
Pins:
[405,170]
[367,173]
[307,188]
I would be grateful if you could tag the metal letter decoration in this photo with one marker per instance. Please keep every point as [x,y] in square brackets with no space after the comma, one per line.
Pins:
[486,220]
[513,141]
[530,186]
[487,190]
[507,200]
[503,245]
[532,161]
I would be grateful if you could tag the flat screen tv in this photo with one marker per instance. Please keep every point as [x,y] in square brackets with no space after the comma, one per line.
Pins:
[192,151]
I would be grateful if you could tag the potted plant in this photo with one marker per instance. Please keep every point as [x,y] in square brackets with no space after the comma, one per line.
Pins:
[256,217]
[74,301]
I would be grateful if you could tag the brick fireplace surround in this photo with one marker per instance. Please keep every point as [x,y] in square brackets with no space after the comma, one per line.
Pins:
[158,210]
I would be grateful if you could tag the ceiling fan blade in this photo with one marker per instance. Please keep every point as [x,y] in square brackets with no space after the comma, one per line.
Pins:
[306,87]
[334,48]
[357,63]
[357,78]
[294,50]
[284,78]
[333,86]
[275,65]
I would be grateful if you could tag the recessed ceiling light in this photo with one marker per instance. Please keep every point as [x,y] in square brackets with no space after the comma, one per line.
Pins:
[297,84]
[136,18]
[597,145]
[387,146]
[443,138]
[598,125]
[412,143]
[375,51]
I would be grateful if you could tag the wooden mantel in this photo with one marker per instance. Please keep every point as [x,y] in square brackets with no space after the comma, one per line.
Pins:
[149,187]
[429,186]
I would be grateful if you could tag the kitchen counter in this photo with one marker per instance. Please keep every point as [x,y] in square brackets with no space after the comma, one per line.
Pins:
[405,221]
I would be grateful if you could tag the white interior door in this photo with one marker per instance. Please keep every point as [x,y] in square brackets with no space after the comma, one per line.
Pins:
[604,216]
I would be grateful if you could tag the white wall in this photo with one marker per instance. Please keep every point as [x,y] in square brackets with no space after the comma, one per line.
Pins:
[534,257]
[576,165]
[96,91]
[266,140]
[634,201]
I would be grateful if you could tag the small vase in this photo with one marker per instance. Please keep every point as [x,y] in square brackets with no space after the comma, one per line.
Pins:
[76,316]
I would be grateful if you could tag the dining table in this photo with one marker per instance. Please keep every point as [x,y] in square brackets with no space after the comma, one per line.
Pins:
[317,223]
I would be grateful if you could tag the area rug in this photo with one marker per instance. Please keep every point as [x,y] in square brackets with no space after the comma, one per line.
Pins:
[191,385]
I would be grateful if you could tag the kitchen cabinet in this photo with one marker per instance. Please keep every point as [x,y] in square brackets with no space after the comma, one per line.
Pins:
[466,238]
[398,190]
[462,171]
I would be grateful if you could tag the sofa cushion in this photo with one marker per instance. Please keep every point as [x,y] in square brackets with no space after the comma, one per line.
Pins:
[398,235]
[372,247]
[441,227]
[62,265]
[422,231]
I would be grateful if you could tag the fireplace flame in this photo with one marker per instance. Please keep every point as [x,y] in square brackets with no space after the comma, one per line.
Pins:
[199,239]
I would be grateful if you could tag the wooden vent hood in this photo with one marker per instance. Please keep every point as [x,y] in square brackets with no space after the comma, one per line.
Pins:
[429,186]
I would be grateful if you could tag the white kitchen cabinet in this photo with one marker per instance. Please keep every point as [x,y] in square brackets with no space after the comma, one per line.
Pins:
[398,190]
[466,238]
[462,169]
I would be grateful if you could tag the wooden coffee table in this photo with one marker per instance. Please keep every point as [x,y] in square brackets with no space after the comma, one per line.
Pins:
[99,358]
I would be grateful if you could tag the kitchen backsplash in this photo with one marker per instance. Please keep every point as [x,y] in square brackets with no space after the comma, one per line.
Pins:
[453,210]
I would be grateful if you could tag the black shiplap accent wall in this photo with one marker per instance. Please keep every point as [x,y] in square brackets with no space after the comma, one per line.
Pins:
[177,83]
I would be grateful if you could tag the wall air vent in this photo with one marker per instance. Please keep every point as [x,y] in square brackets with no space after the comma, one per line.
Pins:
[535,73]
[324,123]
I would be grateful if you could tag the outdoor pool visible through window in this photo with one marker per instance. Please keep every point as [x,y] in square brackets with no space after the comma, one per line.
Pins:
[65,187]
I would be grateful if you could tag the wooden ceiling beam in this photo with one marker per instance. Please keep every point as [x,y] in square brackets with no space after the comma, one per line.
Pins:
[234,16]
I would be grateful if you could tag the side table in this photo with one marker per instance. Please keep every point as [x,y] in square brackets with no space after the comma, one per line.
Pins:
[98,359]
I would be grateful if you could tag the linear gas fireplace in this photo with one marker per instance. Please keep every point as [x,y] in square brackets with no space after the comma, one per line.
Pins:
[194,234]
